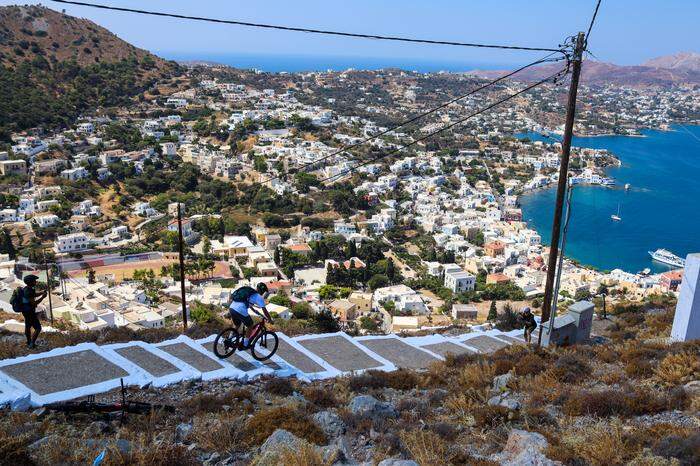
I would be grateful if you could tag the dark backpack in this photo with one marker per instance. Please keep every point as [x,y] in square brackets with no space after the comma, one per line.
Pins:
[243,294]
[16,300]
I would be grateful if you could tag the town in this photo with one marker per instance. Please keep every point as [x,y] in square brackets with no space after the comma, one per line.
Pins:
[301,181]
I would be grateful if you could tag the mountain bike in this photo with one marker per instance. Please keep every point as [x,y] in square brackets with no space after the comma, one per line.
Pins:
[263,342]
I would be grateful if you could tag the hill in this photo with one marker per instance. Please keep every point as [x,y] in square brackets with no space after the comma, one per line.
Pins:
[53,67]
[667,71]
[679,61]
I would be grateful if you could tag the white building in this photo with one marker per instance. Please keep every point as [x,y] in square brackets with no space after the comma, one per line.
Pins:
[72,242]
[459,282]
[75,174]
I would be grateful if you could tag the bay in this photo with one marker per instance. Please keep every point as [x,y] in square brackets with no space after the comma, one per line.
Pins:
[661,209]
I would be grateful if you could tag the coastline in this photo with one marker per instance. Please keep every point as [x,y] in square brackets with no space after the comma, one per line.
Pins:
[598,243]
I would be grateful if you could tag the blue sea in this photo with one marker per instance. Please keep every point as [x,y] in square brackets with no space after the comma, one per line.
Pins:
[299,63]
[661,209]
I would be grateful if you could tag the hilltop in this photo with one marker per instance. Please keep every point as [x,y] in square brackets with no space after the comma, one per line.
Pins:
[54,66]
[667,71]
[679,61]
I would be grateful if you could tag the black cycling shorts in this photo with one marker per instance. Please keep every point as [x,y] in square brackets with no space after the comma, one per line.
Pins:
[239,319]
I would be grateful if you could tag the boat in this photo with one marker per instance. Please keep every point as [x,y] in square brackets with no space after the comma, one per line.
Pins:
[616,217]
[667,257]
[627,186]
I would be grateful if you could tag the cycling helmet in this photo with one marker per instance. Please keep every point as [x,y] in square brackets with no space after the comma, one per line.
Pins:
[261,289]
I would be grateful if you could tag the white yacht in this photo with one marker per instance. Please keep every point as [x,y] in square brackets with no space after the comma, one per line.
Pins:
[616,217]
[667,257]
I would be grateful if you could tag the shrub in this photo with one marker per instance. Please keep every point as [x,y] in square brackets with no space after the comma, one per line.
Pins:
[530,364]
[678,368]
[476,376]
[425,447]
[279,386]
[491,416]
[320,397]
[685,449]
[263,423]
[402,379]
[571,368]
[604,403]
[508,319]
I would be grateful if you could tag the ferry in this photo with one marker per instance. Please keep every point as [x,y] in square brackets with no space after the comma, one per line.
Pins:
[667,257]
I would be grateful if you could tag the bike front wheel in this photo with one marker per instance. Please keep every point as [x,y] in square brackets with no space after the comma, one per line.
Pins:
[226,342]
[264,346]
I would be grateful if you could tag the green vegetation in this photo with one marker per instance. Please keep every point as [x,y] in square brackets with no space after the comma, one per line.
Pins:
[39,93]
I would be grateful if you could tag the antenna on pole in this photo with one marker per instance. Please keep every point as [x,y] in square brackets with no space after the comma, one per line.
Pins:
[182,267]
[563,179]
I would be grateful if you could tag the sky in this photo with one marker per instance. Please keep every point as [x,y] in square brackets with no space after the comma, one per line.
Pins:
[626,31]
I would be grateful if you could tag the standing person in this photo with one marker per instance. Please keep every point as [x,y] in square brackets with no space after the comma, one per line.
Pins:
[243,300]
[29,301]
[528,318]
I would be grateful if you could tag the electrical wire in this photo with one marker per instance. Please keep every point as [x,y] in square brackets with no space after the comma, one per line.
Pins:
[415,118]
[445,128]
[590,26]
[308,30]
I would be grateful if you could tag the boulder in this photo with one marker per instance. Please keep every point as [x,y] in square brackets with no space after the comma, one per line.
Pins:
[366,405]
[278,439]
[330,423]
[506,401]
[182,432]
[95,429]
[524,448]
[397,462]
[692,388]
[500,382]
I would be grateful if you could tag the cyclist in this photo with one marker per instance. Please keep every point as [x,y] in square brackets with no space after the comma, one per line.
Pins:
[243,300]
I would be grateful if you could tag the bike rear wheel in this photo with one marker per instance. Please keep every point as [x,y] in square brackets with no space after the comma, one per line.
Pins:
[264,346]
[226,342]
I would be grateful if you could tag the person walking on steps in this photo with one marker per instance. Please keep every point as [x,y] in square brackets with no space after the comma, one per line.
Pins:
[26,300]
[528,318]
[243,300]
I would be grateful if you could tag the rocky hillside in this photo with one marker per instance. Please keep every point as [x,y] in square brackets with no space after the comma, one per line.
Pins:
[28,32]
[663,71]
[53,67]
[679,61]
[630,398]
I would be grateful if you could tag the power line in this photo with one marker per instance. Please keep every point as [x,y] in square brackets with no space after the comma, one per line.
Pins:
[590,26]
[309,30]
[445,128]
[415,118]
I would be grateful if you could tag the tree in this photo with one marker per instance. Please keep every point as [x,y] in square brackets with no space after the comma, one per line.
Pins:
[493,311]
[281,299]
[326,322]
[302,310]
[378,281]
[91,276]
[6,245]
[201,313]
[369,324]
[206,247]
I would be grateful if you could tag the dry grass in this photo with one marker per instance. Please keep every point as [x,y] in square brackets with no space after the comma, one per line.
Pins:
[210,403]
[425,447]
[476,376]
[263,423]
[678,368]
[628,402]
[303,455]
[571,368]
[220,433]
[279,386]
[320,397]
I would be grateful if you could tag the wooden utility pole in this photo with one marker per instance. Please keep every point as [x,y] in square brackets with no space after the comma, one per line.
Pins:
[182,268]
[563,179]
[48,286]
